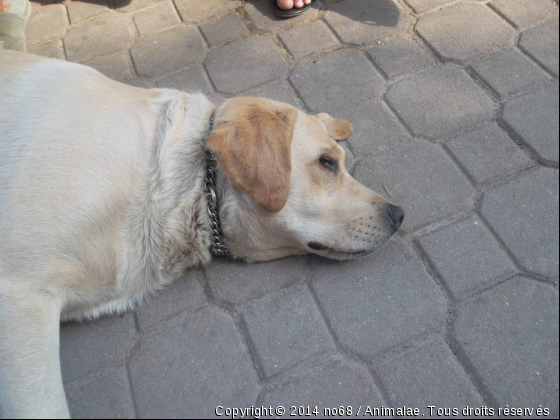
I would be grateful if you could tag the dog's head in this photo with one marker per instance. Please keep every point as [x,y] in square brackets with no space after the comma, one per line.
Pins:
[290,191]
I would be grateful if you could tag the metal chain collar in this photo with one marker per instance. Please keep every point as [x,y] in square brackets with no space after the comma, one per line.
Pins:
[218,246]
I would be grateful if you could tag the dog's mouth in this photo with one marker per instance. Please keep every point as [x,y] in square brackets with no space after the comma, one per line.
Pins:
[334,253]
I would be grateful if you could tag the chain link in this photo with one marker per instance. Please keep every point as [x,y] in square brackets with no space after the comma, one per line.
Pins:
[218,247]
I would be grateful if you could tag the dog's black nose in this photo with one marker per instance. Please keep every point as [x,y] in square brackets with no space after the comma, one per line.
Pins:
[396,215]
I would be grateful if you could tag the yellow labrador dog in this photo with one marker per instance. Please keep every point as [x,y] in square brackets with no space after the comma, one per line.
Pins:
[107,195]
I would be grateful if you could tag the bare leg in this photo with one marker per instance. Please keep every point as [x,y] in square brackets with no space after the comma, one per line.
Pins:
[30,376]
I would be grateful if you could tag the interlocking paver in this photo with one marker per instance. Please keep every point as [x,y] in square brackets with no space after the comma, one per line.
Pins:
[376,129]
[53,49]
[161,16]
[380,302]
[541,43]
[305,40]
[524,213]
[467,256]
[286,331]
[88,42]
[538,129]
[364,22]
[251,62]
[116,67]
[336,384]
[46,23]
[203,360]
[236,283]
[196,11]
[262,15]
[165,52]
[184,296]
[225,29]
[439,102]
[525,13]
[430,191]
[79,10]
[193,79]
[85,349]
[415,377]
[108,396]
[509,72]
[400,56]
[277,91]
[466,31]
[510,335]
[341,80]
[488,152]
[421,6]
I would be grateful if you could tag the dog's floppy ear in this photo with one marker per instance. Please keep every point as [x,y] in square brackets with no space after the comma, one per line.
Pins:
[252,142]
[337,129]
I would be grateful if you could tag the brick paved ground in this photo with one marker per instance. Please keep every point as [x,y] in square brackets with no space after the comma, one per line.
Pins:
[455,105]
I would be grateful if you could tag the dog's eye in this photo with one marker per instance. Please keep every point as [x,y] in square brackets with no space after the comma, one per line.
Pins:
[329,163]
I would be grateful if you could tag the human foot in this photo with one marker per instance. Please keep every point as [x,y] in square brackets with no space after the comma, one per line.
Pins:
[290,4]
[291,8]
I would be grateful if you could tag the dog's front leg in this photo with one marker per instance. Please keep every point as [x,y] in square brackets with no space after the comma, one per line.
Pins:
[30,376]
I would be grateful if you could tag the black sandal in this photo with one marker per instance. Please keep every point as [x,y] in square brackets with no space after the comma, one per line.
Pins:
[286,14]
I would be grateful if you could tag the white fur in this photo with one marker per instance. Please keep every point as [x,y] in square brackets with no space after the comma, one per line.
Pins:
[101,203]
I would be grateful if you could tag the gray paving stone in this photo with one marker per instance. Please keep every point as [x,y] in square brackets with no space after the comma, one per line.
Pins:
[225,29]
[287,330]
[510,335]
[439,102]
[193,79]
[541,43]
[422,179]
[341,80]
[525,13]
[250,62]
[80,10]
[488,152]
[46,23]
[191,368]
[509,72]
[108,396]
[400,56]
[116,67]
[375,129]
[88,42]
[365,22]
[524,213]
[380,301]
[184,296]
[52,50]
[311,38]
[262,15]
[466,31]
[130,6]
[421,6]
[196,11]
[277,91]
[429,375]
[333,385]
[538,128]
[165,52]
[87,348]
[162,15]
[236,283]
[467,256]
